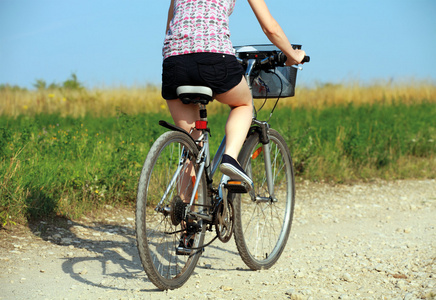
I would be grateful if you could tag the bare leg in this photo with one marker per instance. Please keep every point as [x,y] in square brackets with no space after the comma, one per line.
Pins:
[184,115]
[240,101]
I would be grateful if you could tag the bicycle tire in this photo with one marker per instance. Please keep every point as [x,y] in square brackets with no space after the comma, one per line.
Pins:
[262,228]
[156,240]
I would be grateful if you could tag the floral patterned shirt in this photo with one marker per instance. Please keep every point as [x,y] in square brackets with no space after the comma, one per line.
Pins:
[199,26]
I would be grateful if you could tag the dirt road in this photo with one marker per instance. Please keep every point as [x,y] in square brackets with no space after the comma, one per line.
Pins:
[363,241]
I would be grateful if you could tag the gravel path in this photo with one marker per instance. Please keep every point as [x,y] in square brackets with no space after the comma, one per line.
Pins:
[362,241]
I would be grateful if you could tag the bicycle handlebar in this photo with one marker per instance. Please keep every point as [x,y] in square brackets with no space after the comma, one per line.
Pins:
[277,59]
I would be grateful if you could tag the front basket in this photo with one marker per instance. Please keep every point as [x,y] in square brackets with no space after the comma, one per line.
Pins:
[278,82]
[275,83]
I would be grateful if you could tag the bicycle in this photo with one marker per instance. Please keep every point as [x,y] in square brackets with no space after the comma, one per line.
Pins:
[177,201]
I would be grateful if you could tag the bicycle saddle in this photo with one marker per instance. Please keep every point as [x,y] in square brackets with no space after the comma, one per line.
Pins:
[194,94]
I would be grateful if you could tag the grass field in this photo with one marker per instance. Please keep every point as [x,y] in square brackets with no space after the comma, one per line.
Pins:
[65,152]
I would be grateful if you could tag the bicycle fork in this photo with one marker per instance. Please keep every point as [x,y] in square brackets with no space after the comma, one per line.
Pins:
[266,145]
[266,149]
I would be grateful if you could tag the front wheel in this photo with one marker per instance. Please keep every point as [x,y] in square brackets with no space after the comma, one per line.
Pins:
[164,187]
[263,219]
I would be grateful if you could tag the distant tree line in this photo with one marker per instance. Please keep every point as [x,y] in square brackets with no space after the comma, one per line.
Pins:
[72,83]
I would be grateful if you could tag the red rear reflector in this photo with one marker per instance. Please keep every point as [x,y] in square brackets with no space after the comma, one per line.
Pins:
[202,125]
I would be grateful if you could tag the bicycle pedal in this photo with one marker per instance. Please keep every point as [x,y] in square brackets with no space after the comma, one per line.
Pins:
[183,251]
[237,187]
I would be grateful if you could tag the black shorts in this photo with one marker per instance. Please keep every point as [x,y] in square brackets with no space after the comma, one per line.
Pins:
[220,72]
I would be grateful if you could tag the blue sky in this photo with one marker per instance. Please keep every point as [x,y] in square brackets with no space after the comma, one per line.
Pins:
[118,43]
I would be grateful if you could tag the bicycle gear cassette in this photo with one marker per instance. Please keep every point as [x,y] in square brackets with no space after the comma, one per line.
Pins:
[177,211]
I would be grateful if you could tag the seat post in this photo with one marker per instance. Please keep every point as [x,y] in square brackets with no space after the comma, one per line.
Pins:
[203,112]
[202,123]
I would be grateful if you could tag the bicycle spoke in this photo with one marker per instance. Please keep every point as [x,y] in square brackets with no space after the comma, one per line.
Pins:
[165,175]
[262,226]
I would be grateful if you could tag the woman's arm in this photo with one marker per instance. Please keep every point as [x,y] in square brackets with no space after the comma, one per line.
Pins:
[274,32]
[170,15]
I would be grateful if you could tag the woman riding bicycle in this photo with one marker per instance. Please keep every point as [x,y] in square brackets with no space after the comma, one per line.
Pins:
[197,51]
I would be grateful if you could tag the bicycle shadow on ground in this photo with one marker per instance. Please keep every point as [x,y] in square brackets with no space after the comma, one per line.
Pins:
[110,257]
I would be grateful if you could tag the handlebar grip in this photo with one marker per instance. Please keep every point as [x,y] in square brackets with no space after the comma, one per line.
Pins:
[281,58]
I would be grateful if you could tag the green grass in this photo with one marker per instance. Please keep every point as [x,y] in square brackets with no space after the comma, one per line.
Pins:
[64,166]
[348,142]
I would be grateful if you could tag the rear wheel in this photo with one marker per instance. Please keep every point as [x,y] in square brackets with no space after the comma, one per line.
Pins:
[263,221]
[164,187]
